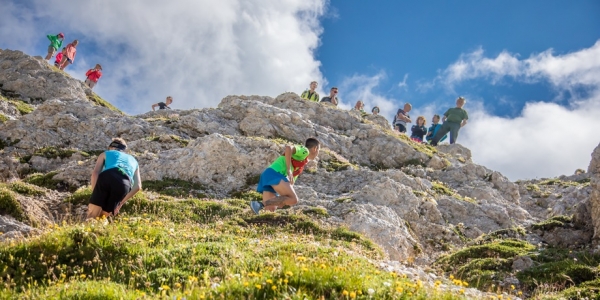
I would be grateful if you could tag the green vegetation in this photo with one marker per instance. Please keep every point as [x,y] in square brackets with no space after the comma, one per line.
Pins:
[43,180]
[553,222]
[533,188]
[3,118]
[441,189]
[247,195]
[101,102]
[80,196]
[489,260]
[20,105]
[10,205]
[175,188]
[24,188]
[3,144]
[316,211]
[558,182]
[336,163]
[424,148]
[182,142]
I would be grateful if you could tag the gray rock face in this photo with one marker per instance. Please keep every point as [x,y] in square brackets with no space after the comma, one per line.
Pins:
[412,200]
[594,171]
[29,77]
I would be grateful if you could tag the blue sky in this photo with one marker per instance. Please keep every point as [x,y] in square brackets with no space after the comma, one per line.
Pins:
[419,38]
[530,70]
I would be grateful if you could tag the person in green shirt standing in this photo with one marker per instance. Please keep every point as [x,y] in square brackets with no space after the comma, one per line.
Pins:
[55,44]
[453,119]
[276,183]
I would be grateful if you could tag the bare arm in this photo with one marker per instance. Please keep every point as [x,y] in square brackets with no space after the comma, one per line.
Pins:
[463,123]
[137,186]
[97,169]
[154,105]
[289,150]
[334,100]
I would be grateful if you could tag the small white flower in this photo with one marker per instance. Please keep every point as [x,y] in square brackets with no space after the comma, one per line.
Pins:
[387,284]
[371,291]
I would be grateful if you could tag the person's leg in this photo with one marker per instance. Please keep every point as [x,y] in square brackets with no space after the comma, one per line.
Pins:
[98,198]
[266,196]
[50,53]
[287,195]
[94,211]
[454,128]
[63,62]
[438,135]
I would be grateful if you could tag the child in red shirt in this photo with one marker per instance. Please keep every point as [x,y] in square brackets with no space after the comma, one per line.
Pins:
[93,75]
[58,59]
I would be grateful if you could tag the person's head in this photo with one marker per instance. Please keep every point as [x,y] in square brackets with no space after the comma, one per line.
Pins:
[313,146]
[118,144]
[169,100]
[421,121]
[407,107]
[313,85]
[98,67]
[359,105]
[61,36]
[460,102]
[75,43]
[333,92]
[436,119]
[375,110]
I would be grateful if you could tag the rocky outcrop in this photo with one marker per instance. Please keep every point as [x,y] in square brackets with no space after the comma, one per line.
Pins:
[594,171]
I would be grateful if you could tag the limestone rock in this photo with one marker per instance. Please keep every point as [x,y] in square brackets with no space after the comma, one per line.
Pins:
[594,170]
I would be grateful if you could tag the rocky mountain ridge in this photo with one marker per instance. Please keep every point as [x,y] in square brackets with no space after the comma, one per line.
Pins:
[415,201]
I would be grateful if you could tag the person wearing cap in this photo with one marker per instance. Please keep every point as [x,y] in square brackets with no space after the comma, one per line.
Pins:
[55,44]
[311,94]
[69,53]
[115,179]
[93,75]
[454,118]
[332,98]
[276,183]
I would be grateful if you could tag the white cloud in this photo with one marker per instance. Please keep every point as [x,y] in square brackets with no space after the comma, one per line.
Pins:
[546,139]
[403,83]
[196,51]
[361,87]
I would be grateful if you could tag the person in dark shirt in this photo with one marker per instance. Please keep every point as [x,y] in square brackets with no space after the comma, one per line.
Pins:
[419,130]
[163,105]
[332,98]
[402,118]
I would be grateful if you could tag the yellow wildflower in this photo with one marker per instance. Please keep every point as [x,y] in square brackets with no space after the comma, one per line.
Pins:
[274,287]
[82,276]
[269,281]
[345,293]
[352,295]
[246,283]
[512,287]
[165,287]
[289,274]
[258,286]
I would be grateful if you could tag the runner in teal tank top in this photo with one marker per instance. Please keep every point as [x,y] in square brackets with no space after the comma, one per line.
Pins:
[115,179]
[276,182]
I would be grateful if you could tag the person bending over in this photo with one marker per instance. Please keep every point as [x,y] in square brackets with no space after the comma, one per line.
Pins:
[163,105]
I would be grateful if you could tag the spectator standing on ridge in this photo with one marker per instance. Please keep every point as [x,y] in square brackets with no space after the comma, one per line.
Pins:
[311,94]
[332,98]
[375,110]
[276,182]
[402,118]
[93,75]
[58,59]
[360,106]
[434,128]
[163,105]
[454,119]
[112,179]
[55,44]
[69,54]
[418,130]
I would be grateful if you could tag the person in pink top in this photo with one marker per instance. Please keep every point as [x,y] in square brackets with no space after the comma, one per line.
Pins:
[93,75]
[69,54]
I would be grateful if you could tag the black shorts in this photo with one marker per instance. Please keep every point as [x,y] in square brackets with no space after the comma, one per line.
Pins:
[112,186]
[401,127]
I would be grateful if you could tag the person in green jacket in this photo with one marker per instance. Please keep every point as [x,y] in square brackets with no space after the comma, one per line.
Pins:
[55,44]
[454,118]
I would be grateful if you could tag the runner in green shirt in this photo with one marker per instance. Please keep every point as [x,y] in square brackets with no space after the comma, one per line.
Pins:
[453,119]
[276,182]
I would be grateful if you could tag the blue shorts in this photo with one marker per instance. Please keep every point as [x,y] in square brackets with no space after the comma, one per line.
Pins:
[69,60]
[268,179]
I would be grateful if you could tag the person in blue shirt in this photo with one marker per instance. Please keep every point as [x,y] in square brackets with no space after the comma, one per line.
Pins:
[434,128]
[115,179]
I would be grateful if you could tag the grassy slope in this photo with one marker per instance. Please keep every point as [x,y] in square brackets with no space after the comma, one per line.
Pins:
[200,249]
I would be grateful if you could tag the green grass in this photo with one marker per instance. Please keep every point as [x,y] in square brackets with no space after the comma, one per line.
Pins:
[101,102]
[43,180]
[24,188]
[10,205]
[247,195]
[175,188]
[182,142]
[3,118]
[81,196]
[200,250]
[336,163]
[316,211]
[553,222]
